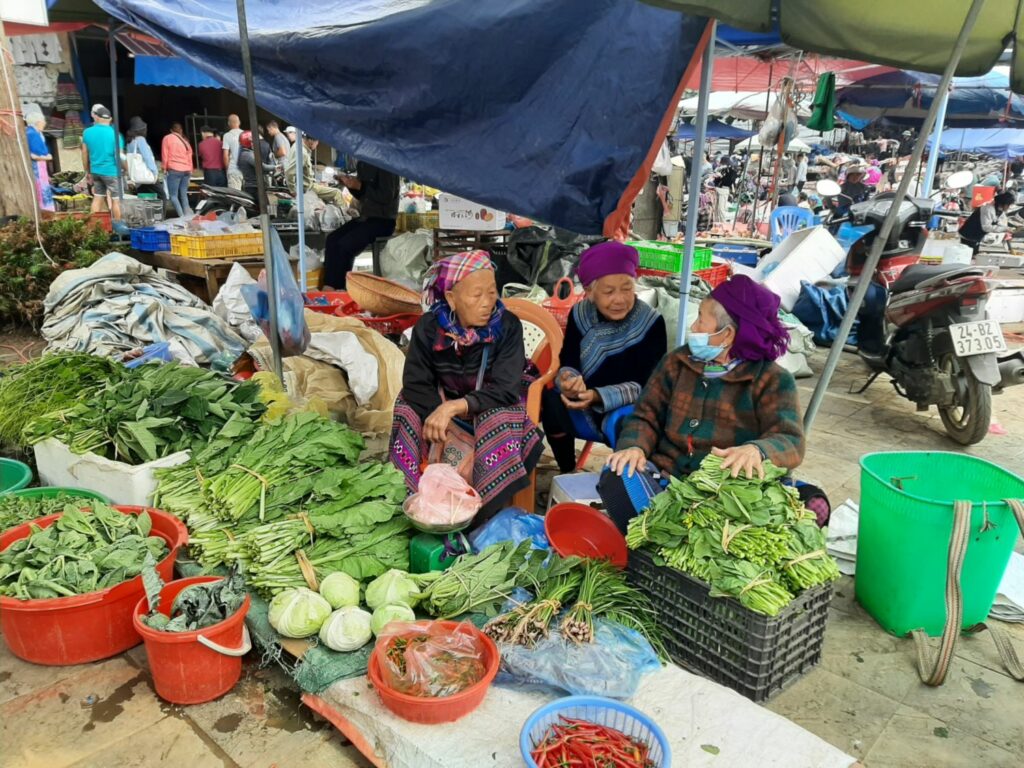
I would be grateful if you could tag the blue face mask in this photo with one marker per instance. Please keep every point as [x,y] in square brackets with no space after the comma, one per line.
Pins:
[701,349]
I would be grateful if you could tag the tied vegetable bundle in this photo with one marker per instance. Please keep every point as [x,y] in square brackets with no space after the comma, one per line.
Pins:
[81,552]
[47,384]
[751,539]
[153,412]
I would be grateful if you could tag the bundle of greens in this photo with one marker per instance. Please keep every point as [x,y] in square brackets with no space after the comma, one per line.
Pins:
[81,552]
[47,384]
[530,622]
[748,538]
[152,412]
[15,510]
[197,606]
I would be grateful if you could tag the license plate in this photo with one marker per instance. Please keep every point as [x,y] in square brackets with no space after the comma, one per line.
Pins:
[978,338]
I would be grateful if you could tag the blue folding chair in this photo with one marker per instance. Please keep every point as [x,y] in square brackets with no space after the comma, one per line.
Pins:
[610,428]
[786,220]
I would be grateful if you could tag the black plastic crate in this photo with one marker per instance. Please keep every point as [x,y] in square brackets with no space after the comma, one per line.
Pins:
[717,637]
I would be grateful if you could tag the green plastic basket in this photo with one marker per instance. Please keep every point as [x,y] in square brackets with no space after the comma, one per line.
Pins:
[906,520]
[14,475]
[53,491]
[668,257]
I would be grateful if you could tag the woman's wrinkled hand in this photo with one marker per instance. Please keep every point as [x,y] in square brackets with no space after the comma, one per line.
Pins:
[745,459]
[630,458]
[588,399]
[571,384]
[435,428]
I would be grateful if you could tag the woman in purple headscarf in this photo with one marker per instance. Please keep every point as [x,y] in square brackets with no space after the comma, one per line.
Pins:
[722,393]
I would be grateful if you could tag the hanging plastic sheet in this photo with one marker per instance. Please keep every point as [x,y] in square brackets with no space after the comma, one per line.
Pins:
[546,109]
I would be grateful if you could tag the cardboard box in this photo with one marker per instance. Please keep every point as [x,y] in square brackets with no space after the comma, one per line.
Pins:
[459,213]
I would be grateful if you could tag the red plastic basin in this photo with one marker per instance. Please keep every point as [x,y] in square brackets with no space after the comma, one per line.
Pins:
[576,529]
[447,709]
[185,668]
[73,630]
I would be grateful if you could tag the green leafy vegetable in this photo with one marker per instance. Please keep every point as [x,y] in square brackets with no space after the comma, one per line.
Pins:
[298,612]
[347,629]
[340,590]
[392,588]
[197,606]
[385,614]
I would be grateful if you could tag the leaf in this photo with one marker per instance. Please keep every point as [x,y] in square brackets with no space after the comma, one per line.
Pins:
[711,749]
[151,582]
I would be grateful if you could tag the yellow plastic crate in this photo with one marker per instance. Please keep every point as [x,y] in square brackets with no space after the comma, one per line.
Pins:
[217,246]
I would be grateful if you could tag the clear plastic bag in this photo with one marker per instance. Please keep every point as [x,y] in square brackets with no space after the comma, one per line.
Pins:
[611,666]
[291,324]
[512,524]
[431,658]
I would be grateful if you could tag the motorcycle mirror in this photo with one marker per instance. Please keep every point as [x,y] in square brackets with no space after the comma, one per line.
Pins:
[828,188]
[959,180]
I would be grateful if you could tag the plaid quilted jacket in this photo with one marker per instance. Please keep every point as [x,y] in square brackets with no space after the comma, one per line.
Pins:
[681,415]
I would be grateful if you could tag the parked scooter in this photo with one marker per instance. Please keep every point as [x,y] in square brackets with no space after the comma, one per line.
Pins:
[927,326]
[225,199]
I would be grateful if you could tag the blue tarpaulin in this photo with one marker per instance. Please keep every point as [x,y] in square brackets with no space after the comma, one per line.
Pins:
[1003,143]
[544,109]
[716,130]
[160,70]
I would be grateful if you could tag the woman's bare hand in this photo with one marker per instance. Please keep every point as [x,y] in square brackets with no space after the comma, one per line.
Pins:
[630,458]
[588,399]
[744,459]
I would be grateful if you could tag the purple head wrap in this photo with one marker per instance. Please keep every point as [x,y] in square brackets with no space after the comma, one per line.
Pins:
[755,309]
[608,258]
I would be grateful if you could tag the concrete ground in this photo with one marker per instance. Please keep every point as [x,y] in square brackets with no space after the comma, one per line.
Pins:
[865,696]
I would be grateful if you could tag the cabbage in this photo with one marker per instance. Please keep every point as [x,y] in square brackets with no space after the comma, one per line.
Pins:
[388,613]
[340,590]
[298,612]
[392,588]
[347,629]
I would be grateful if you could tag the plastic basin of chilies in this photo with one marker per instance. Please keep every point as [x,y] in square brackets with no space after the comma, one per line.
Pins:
[906,520]
[14,475]
[73,630]
[196,666]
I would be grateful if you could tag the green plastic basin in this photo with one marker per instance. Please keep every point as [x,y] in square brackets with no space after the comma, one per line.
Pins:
[14,475]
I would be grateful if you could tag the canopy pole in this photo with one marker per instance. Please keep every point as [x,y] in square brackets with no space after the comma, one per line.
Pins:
[933,153]
[890,220]
[300,190]
[261,190]
[115,112]
[696,168]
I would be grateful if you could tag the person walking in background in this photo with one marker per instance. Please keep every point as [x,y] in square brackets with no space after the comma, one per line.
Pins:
[101,161]
[138,145]
[231,152]
[211,158]
[40,156]
[801,171]
[279,144]
[176,154]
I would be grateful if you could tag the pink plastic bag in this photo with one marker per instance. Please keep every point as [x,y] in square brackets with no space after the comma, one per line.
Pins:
[444,501]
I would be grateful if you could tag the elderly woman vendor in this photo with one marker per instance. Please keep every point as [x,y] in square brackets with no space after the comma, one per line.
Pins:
[723,393]
[464,369]
[612,344]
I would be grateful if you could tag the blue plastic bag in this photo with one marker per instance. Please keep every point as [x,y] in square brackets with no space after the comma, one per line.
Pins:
[612,665]
[291,324]
[512,524]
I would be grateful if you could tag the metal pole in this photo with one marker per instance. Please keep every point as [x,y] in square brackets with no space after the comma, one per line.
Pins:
[890,221]
[261,189]
[300,191]
[700,134]
[933,153]
[116,113]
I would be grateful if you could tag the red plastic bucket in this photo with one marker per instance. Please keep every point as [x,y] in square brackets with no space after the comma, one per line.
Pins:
[73,630]
[193,667]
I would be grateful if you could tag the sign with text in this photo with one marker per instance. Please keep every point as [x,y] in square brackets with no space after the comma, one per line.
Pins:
[458,213]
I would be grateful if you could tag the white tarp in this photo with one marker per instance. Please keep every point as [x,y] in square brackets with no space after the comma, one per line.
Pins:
[693,712]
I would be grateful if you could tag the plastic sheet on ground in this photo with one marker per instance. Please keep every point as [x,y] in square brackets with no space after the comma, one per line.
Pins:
[694,713]
[118,304]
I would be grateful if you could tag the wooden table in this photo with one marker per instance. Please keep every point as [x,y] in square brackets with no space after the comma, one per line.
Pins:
[203,277]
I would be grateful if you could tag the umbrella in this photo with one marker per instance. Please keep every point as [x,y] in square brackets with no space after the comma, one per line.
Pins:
[795,145]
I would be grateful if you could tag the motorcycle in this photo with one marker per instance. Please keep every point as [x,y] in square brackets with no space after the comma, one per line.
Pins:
[927,326]
[219,200]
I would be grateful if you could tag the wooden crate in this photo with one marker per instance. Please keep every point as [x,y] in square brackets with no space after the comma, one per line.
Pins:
[448,242]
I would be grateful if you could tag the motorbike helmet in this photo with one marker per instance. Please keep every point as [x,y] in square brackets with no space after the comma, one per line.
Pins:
[245,140]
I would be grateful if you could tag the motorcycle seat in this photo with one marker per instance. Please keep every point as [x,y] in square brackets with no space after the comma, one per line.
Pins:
[916,274]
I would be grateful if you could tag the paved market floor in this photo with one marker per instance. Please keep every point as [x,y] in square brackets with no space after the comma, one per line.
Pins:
[864,697]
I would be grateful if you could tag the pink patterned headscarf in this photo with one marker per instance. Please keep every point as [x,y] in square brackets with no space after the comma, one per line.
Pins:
[444,274]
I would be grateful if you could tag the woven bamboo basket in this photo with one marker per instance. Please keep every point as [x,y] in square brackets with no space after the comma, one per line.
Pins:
[380,296]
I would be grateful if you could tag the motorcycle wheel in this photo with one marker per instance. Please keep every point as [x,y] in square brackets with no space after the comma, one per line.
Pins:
[967,420]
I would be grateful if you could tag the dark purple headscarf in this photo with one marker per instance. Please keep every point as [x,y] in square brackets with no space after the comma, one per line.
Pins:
[755,309]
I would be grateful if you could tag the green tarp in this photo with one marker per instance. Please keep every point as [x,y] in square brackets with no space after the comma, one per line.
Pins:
[909,34]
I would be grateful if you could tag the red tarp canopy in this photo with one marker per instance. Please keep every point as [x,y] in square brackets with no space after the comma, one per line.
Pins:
[749,73]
